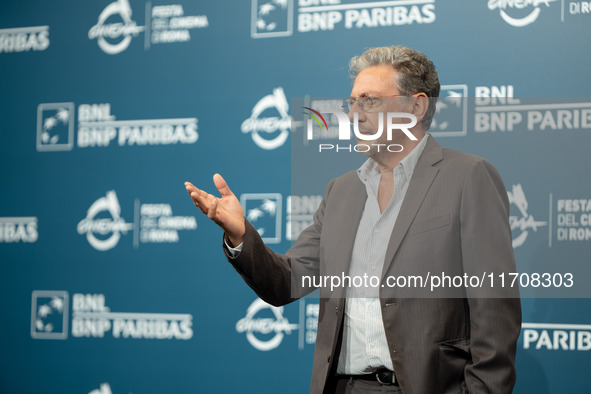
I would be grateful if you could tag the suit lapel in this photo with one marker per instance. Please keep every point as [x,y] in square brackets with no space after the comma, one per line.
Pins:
[354,199]
[421,180]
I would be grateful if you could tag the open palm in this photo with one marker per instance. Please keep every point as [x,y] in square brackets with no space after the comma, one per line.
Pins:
[225,211]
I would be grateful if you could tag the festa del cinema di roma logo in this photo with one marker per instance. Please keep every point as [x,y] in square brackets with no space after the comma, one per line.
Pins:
[277,325]
[525,12]
[344,133]
[524,221]
[153,223]
[166,23]
[115,37]
[277,128]
[114,225]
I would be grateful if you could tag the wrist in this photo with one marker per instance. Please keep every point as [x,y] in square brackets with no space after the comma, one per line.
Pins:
[234,240]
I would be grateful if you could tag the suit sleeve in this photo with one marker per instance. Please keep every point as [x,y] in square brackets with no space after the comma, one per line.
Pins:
[277,278]
[495,313]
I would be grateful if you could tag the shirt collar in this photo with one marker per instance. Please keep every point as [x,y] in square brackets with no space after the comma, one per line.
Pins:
[407,165]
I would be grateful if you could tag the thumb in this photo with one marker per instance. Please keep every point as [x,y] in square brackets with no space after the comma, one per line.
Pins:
[222,186]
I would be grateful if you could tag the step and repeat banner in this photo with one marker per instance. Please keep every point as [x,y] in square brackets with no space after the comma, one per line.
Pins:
[112,282]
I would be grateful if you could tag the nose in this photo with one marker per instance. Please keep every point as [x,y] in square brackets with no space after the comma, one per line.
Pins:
[356,109]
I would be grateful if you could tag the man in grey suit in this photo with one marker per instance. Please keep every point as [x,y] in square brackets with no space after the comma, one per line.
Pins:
[421,211]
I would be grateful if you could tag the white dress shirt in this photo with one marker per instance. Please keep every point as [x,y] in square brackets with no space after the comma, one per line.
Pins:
[364,348]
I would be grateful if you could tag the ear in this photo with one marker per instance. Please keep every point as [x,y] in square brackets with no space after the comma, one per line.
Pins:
[420,106]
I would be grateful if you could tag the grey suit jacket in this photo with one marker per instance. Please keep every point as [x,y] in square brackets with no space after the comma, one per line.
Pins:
[453,220]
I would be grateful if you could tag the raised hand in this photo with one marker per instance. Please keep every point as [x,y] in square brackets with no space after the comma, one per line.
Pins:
[226,211]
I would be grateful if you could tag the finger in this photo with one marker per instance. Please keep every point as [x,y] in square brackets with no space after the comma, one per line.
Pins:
[194,192]
[193,189]
[200,198]
[211,213]
[190,187]
[201,201]
[222,186]
[195,198]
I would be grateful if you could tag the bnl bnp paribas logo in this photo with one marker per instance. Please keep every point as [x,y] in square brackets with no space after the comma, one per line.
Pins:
[275,18]
[265,212]
[24,39]
[104,225]
[115,28]
[91,317]
[19,229]
[55,128]
[266,326]
[99,128]
[451,112]
[520,13]
[49,314]
[556,336]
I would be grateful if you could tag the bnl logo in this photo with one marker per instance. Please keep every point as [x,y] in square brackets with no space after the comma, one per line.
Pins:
[55,127]
[271,18]
[49,314]
[263,210]
[451,112]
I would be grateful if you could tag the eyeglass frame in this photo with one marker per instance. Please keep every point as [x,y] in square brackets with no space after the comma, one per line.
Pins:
[352,100]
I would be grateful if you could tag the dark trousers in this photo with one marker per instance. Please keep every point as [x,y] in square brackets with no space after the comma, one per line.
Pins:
[346,385]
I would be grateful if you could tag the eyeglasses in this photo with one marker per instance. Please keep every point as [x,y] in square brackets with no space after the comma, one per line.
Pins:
[366,103]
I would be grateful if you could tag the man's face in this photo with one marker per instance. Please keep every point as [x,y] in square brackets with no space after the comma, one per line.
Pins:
[379,82]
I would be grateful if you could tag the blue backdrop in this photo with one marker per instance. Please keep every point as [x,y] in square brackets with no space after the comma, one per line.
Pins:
[111,280]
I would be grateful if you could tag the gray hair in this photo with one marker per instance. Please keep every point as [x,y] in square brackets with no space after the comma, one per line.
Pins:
[416,73]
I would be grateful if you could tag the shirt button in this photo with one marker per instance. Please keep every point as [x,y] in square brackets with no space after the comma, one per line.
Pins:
[370,307]
[371,345]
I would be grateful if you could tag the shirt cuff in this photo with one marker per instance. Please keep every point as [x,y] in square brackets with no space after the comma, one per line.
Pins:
[233,252]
